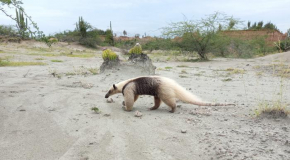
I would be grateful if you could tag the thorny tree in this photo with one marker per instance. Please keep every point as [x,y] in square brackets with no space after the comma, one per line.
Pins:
[11,4]
[200,35]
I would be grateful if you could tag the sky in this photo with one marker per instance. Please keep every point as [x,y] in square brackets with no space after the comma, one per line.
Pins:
[146,16]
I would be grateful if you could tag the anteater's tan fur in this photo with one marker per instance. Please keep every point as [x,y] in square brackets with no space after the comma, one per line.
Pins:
[163,89]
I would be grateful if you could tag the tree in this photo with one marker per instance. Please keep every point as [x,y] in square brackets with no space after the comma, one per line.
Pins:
[249,24]
[231,25]
[17,5]
[270,26]
[254,26]
[124,33]
[200,35]
[260,25]
[137,35]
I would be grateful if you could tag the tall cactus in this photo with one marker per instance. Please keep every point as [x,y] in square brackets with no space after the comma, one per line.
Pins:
[83,26]
[21,23]
[112,34]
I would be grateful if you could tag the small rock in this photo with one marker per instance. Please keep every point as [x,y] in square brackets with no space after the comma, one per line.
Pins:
[84,158]
[87,85]
[110,100]
[107,115]
[138,114]
[285,129]
[183,131]
[22,110]
[179,106]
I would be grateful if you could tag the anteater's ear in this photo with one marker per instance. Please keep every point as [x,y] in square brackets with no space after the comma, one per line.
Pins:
[114,86]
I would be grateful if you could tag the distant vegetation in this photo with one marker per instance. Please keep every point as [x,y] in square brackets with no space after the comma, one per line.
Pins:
[260,25]
[204,37]
[8,30]
[84,33]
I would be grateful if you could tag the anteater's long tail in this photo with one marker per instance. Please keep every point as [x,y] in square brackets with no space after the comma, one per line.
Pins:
[183,95]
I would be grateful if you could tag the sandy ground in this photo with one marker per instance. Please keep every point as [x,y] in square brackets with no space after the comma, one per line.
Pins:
[47,117]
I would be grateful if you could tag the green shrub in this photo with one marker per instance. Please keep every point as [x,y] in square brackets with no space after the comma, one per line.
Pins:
[7,30]
[68,36]
[109,55]
[90,41]
[283,45]
[55,60]
[137,49]
[241,48]
[125,44]
[161,44]
[49,41]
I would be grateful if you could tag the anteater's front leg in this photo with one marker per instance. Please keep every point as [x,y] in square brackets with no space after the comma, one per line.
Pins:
[135,99]
[129,98]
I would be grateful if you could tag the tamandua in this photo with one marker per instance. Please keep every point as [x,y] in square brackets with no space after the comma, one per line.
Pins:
[162,88]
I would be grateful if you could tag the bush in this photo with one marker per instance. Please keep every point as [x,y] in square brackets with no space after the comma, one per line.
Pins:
[49,41]
[90,41]
[68,36]
[240,47]
[283,45]
[127,44]
[161,44]
[109,55]
[8,30]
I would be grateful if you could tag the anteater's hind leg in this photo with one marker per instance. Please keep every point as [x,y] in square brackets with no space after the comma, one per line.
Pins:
[171,102]
[157,102]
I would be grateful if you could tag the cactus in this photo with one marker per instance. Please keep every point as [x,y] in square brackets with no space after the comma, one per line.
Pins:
[83,27]
[109,55]
[137,49]
[21,24]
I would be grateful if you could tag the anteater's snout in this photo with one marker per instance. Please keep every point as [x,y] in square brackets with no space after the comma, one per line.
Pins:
[107,95]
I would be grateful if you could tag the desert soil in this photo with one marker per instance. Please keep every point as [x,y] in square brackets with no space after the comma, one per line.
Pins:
[45,111]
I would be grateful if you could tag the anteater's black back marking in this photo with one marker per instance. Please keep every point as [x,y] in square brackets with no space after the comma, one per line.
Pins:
[145,86]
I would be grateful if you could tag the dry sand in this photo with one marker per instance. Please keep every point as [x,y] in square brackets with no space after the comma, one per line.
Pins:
[45,117]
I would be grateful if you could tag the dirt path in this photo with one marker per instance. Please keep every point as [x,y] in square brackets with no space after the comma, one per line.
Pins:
[45,117]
